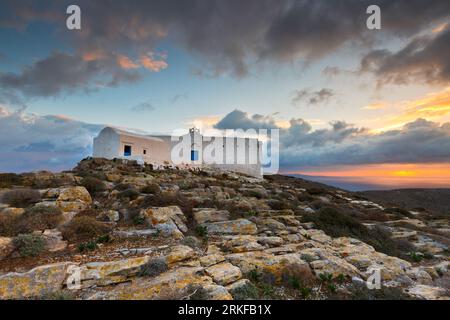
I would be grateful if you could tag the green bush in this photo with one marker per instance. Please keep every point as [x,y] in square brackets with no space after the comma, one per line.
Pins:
[246,292]
[153,267]
[93,185]
[84,228]
[201,231]
[87,246]
[21,198]
[29,245]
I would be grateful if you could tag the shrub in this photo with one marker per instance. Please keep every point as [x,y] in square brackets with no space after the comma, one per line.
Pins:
[7,180]
[131,194]
[82,228]
[29,245]
[317,191]
[246,292]
[8,225]
[298,276]
[197,292]
[201,231]
[39,217]
[275,204]
[192,242]
[87,246]
[416,256]
[93,185]
[123,186]
[152,188]
[153,267]
[21,198]
[59,295]
[338,224]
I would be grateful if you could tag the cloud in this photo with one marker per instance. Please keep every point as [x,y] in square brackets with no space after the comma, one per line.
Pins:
[313,97]
[419,141]
[238,119]
[143,107]
[424,59]
[152,64]
[233,36]
[30,142]
[62,73]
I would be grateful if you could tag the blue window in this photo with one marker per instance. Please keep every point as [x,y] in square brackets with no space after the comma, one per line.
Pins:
[194,155]
[127,151]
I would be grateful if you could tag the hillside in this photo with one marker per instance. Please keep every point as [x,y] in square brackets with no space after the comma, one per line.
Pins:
[436,201]
[116,230]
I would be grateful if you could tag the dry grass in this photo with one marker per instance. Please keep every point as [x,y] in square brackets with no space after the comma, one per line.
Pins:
[84,228]
[21,198]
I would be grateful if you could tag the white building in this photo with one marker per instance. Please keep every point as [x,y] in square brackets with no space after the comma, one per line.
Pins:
[191,150]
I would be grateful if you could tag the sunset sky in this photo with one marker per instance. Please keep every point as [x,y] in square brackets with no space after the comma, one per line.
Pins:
[358,108]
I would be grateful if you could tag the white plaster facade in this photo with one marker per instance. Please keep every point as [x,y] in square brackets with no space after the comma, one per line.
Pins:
[234,154]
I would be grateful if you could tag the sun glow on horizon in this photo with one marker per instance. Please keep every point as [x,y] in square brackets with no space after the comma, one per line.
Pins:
[401,175]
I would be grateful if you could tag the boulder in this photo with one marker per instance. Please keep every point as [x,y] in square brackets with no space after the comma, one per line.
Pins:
[54,240]
[203,215]
[71,206]
[224,273]
[170,221]
[105,273]
[241,243]
[265,262]
[179,253]
[37,282]
[270,241]
[239,226]
[170,285]
[428,292]
[216,292]
[211,259]
[75,194]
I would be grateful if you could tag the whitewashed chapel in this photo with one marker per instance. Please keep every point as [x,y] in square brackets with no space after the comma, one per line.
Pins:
[239,154]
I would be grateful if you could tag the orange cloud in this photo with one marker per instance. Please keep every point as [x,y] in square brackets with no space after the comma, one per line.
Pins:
[153,65]
[433,107]
[376,106]
[94,55]
[126,63]
[440,28]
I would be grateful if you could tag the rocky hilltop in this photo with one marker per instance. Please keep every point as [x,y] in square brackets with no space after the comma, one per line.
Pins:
[118,230]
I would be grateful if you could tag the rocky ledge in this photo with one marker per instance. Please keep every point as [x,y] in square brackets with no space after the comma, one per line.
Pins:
[118,230]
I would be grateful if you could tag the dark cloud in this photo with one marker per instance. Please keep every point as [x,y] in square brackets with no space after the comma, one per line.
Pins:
[238,119]
[312,97]
[424,58]
[224,36]
[64,73]
[31,142]
[420,141]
